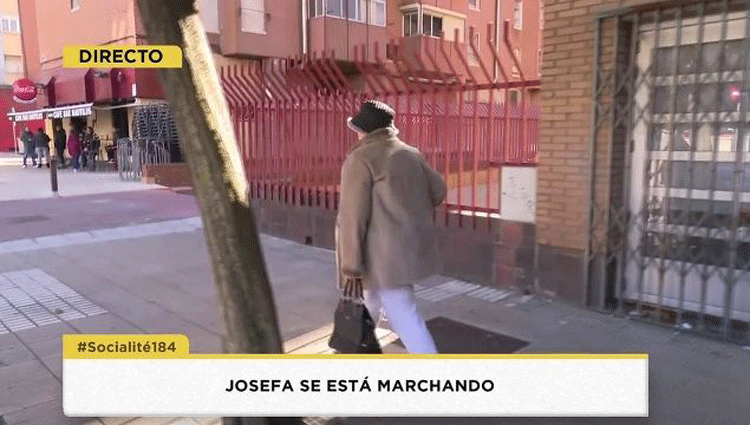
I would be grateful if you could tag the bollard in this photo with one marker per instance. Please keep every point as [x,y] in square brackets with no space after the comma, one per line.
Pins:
[53,175]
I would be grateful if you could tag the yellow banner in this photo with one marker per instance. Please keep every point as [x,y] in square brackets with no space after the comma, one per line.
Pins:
[125,346]
[122,56]
[173,346]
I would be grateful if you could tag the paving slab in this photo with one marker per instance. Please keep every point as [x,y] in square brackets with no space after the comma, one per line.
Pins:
[143,281]
[26,384]
[46,413]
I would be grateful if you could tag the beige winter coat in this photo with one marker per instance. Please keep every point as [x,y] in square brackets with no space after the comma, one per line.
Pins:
[384,230]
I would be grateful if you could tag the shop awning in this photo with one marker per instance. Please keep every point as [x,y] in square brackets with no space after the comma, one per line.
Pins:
[80,110]
[70,86]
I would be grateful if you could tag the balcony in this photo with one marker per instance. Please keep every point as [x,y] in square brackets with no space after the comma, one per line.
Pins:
[340,36]
[424,46]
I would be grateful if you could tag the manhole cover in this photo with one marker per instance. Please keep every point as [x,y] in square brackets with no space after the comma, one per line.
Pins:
[25,219]
[452,337]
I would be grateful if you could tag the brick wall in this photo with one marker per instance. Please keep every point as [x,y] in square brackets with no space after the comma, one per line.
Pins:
[500,254]
[565,160]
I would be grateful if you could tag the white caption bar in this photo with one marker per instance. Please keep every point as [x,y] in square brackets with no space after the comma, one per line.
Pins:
[507,387]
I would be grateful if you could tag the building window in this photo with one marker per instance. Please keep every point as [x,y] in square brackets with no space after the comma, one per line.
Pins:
[431,25]
[354,10]
[473,60]
[13,65]
[315,8]
[9,24]
[516,71]
[539,62]
[253,16]
[377,12]
[75,4]
[411,24]
[514,97]
[335,8]
[474,4]
[518,15]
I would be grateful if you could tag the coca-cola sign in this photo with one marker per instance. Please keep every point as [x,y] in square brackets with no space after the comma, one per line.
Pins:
[24,91]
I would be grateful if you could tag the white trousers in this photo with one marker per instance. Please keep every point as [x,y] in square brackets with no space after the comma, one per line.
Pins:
[400,308]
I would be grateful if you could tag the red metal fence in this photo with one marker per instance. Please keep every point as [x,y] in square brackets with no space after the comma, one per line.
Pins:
[290,114]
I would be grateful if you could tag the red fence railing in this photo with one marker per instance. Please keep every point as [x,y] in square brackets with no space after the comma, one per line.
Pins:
[290,116]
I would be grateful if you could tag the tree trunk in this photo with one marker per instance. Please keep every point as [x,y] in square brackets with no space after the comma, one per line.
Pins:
[210,149]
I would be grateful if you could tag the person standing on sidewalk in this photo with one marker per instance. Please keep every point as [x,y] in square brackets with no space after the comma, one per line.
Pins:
[41,141]
[385,233]
[74,149]
[59,138]
[91,145]
[29,150]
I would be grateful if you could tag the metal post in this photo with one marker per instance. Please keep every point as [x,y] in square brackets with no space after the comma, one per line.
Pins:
[53,174]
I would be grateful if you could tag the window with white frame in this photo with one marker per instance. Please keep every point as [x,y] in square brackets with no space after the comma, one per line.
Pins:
[377,12]
[335,8]
[431,25]
[13,65]
[474,4]
[354,10]
[253,16]
[473,60]
[9,24]
[539,62]
[518,15]
[315,8]
[75,4]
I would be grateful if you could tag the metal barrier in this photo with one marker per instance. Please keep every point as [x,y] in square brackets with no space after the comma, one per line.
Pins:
[289,117]
[154,142]
[669,229]
[133,155]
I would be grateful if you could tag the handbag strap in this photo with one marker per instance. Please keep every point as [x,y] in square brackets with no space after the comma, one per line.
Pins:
[352,290]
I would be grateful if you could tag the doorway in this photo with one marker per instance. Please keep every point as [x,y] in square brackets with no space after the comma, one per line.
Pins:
[120,122]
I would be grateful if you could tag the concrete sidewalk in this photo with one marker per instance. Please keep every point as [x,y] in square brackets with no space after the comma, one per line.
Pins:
[145,285]
[124,261]
[18,183]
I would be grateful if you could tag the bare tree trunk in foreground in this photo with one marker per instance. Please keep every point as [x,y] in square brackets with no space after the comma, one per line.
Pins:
[210,149]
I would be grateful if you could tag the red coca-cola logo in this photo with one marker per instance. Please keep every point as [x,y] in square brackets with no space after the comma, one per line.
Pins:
[24,91]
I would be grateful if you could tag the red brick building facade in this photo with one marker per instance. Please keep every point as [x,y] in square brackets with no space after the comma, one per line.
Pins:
[643,165]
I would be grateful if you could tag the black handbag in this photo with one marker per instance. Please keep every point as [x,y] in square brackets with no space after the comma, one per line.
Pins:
[353,327]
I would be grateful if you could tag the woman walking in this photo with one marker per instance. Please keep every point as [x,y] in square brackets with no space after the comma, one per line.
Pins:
[385,233]
[74,149]
[59,138]
[29,149]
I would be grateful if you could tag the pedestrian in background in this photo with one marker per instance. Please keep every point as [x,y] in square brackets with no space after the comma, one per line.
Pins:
[74,149]
[41,142]
[29,150]
[91,145]
[385,233]
[59,140]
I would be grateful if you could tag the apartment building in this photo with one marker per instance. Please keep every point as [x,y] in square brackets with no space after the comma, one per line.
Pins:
[11,68]
[251,30]
[11,57]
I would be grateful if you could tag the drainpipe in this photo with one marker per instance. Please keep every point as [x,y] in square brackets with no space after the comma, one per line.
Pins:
[498,4]
[304,26]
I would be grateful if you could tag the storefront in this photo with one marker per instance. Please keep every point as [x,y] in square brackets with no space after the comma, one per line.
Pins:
[100,98]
